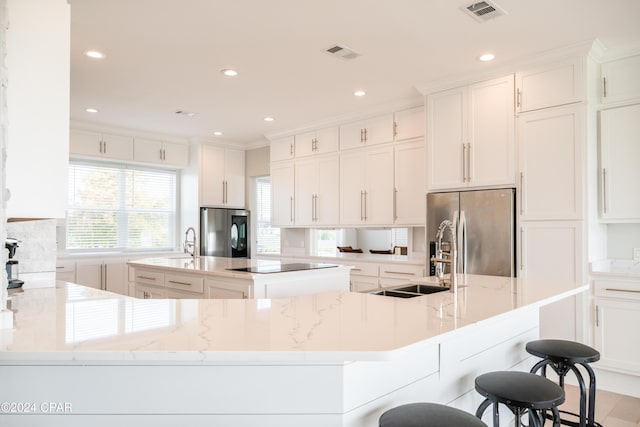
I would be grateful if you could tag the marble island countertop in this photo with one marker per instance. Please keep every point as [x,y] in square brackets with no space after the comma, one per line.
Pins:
[70,323]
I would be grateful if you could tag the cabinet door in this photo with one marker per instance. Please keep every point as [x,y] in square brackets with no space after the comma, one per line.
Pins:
[149,292]
[446,134]
[282,149]
[234,178]
[175,154]
[352,166]
[491,135]
[352,135]
[85,143]
[115,277]
[620,80]
[282,194]
[410,183]
[305,144]
[409,124]
[618,346]
[378,203]
[550,85]
[326,210]
[326,140]
[117,147]
[551,250]
[214,292]
[363,283]
[148,150]
[619,155]
[550,146]
[212,165]
[379,130]
[306,189]
[90,274]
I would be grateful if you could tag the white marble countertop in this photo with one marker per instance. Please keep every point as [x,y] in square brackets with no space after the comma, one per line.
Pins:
[71,323]
[344,257]
[615,268]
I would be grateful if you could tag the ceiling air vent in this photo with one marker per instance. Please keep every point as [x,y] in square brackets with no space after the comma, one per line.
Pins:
[341,52]
[484,10]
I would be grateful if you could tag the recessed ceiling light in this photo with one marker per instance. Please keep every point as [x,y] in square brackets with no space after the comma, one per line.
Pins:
[91,110]
[487,57]
[359,93]
[268,119]
[94,54]
[229,72]
[218,133]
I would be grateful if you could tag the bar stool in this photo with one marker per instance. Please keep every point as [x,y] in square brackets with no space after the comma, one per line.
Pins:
[521,392]
[563,356]
[428,415]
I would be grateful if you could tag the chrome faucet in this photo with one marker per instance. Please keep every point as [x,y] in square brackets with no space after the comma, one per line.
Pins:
[452,258]
[190,246]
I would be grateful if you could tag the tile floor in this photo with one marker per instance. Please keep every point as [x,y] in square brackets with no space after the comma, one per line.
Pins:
[612,409]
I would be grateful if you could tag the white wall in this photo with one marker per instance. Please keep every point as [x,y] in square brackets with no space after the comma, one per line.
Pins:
[621,239]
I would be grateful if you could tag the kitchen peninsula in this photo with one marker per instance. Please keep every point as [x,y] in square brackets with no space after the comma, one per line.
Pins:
[221,277]
[325,359]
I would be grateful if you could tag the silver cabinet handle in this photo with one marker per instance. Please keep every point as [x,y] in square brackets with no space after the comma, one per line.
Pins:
[291,209]
[161,154]
[361,210]
[597,316]
[521,192]
[145,277]
[365,135]
[469,162]
[395,204]
[401,272]
[633,291]
[464,162]
[361,136]
[179,283]
[315,207]
[604,190]
[105,147]
[105,276]
[365,204]
[395,129]
[518,98]
[291,149]
[521,248]
[604,87]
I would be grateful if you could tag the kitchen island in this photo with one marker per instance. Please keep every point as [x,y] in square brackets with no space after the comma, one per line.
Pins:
[326,359]
[229,278]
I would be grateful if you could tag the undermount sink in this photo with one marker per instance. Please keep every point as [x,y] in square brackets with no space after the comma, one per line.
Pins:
[410,291]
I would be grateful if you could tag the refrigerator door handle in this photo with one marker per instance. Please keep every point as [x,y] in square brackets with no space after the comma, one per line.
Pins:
[463,241]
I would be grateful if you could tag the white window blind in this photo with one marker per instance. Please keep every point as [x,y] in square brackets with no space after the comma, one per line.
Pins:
[267,237]
[120,207]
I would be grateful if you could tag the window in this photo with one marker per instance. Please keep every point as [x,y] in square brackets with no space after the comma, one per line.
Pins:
[120,207]
[325,242]
[267,237]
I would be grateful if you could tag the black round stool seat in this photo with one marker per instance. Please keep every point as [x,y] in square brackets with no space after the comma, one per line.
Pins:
[563,351]
[521,392]
[425,414]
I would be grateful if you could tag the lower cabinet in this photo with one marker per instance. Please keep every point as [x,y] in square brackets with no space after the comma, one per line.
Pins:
[149,292]
[617,312]
[364,276]
[108,275]
[371,276]
[216,289]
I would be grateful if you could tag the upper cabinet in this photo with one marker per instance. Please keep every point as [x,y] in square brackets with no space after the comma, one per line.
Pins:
[282,149]
[95,144]
[619,155]
[550,85]
[282,194]
[551,163]
[471,136]
[317,188]
[221,177]
[621,80]
[409,124]
[410,183]
[36,81]
[163,153]
[321,141]
[374,130]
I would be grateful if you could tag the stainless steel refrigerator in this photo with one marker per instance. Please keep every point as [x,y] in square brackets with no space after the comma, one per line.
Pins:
[224,233]
[485,229]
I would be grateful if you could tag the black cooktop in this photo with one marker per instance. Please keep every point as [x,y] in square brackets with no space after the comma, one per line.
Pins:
[281,268]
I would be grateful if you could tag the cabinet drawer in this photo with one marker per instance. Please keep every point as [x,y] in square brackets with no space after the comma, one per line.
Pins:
[622,289]
[184,283]
[363,269]
[149,277]
[397,271]
[182,295]
[386,282]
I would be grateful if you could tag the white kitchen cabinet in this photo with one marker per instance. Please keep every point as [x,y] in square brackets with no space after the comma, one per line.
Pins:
[363,276]
[317,191]
[409,124]
[550,85]
[366,187]
[282,149]
[143,291]
[66,270]
[410,183]
[159,152]
[551,250]
[282,194]
[216,289]
[551,163]
[36,107]
[102,145]
[221,177]
[372,131]
[108,275]
[617,308]
[619,155]
[620,80]
[399,274]
[321,141]
[471,136]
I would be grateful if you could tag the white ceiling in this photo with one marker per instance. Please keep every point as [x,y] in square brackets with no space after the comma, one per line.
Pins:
[166,55]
